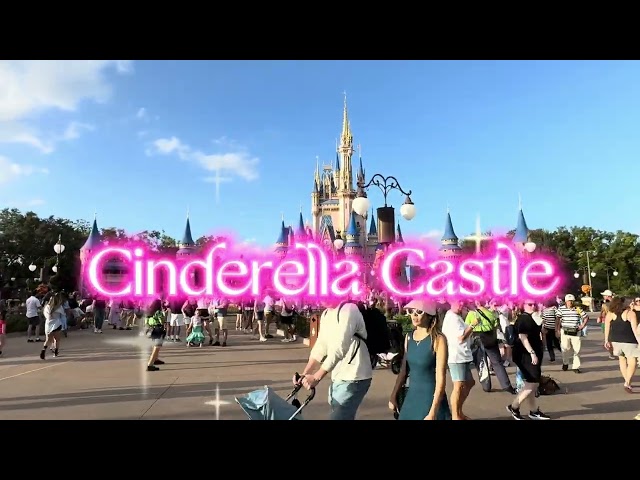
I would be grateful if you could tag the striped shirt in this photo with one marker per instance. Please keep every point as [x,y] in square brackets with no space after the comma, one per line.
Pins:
[549,318]
[570,318]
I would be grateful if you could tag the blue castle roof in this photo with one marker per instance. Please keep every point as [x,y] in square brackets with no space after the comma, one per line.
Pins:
[373,230]
[282,243]
[399,238]
[353,235]
[94,239]
[449,240]
[187,245]
[302,233]
[522,231]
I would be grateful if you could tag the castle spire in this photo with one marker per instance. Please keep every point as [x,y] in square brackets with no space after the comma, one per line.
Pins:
[346,136]
[186,246]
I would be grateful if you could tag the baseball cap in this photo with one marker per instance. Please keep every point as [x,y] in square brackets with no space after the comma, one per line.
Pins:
[569,298]
[607,293]
[426,306]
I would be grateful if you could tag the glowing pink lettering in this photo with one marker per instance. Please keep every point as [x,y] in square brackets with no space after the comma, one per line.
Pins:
[307,271]
[96,266]
[466,273]
[386,271]
[468,277]
[547,271]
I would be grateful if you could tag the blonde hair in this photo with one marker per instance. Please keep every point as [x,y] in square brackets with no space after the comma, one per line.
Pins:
[56,301]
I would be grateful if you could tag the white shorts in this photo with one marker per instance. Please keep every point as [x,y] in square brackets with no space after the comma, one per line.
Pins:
[176,320]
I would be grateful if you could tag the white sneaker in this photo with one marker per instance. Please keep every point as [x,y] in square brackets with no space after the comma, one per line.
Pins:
[263,339]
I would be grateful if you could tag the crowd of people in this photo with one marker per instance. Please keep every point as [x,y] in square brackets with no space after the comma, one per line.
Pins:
[461,335]
[455,336]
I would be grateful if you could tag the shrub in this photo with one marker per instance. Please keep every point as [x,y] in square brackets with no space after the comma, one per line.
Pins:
[16,323]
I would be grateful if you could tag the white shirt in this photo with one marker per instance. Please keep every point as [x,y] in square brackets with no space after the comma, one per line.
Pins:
[337,343]
[453,328]
[32,305]
[268,303]
[53,319]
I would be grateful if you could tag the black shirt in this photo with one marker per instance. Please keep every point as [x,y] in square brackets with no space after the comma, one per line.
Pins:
[73,303]
[526,325]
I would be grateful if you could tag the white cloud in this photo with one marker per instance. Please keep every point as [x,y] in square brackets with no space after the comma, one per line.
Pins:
[74,130]
[236,162]
[432,234]
[30,87]
[10,171]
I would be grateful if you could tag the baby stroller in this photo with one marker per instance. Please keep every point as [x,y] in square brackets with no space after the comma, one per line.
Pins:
[394,356]
[265,404]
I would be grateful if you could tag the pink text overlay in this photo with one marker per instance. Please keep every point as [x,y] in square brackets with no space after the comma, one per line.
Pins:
[310,270]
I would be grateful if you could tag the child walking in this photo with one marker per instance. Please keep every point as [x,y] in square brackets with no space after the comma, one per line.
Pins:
[195,335]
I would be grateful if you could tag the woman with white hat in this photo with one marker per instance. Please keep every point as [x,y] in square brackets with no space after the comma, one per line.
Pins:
[425,360]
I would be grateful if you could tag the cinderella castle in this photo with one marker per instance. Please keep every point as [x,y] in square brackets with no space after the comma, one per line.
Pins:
[333,221]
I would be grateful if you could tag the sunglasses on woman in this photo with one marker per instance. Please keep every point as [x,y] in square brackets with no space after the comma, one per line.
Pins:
[414,311]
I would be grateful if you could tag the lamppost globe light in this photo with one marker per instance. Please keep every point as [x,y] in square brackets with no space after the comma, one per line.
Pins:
[530,247]
[58,248]
[13,279]
[615,273]
[593,274]
[338,243]
[373,272]
[576,275]
[32,268]
[408,209]
[361,205]
[55,269]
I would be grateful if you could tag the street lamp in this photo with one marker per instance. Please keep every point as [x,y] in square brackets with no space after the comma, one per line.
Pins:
[386,215]
[530,247]
[338,242]
[32,267]
[58,247]
[13,279]
[586,254]
[614,272]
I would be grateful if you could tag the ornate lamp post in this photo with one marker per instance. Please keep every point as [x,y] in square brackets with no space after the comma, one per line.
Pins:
[614,272]
[58,248]
[386,214]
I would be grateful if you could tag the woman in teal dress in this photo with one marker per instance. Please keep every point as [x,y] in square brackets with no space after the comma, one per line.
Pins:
[425,366]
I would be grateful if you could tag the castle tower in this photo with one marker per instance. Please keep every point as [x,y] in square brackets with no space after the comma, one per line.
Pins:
[282,243]
[521,236]
[302,231]
[449,244]
[187,247]
[92,244]
[352,245]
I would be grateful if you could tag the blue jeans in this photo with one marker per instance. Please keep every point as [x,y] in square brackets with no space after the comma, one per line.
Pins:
[345,398]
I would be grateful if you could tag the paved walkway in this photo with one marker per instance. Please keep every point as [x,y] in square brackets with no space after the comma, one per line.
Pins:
[103,377]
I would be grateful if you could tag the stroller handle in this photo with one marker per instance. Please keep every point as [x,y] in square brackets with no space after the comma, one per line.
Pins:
[298,386]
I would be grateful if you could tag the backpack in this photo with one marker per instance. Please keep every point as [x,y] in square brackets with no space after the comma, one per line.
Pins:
[378,338]
[548,386]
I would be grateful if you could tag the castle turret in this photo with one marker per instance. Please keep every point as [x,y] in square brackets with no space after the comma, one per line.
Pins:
[352,245]
[399,238]
[92,244]
[187,246]
[449,244]
[282,243]
[522,231]
[302,231]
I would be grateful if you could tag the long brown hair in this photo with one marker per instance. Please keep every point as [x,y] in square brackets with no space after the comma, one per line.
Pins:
[616,306]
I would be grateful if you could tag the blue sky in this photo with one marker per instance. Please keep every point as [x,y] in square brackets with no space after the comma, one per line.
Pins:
[139,141]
